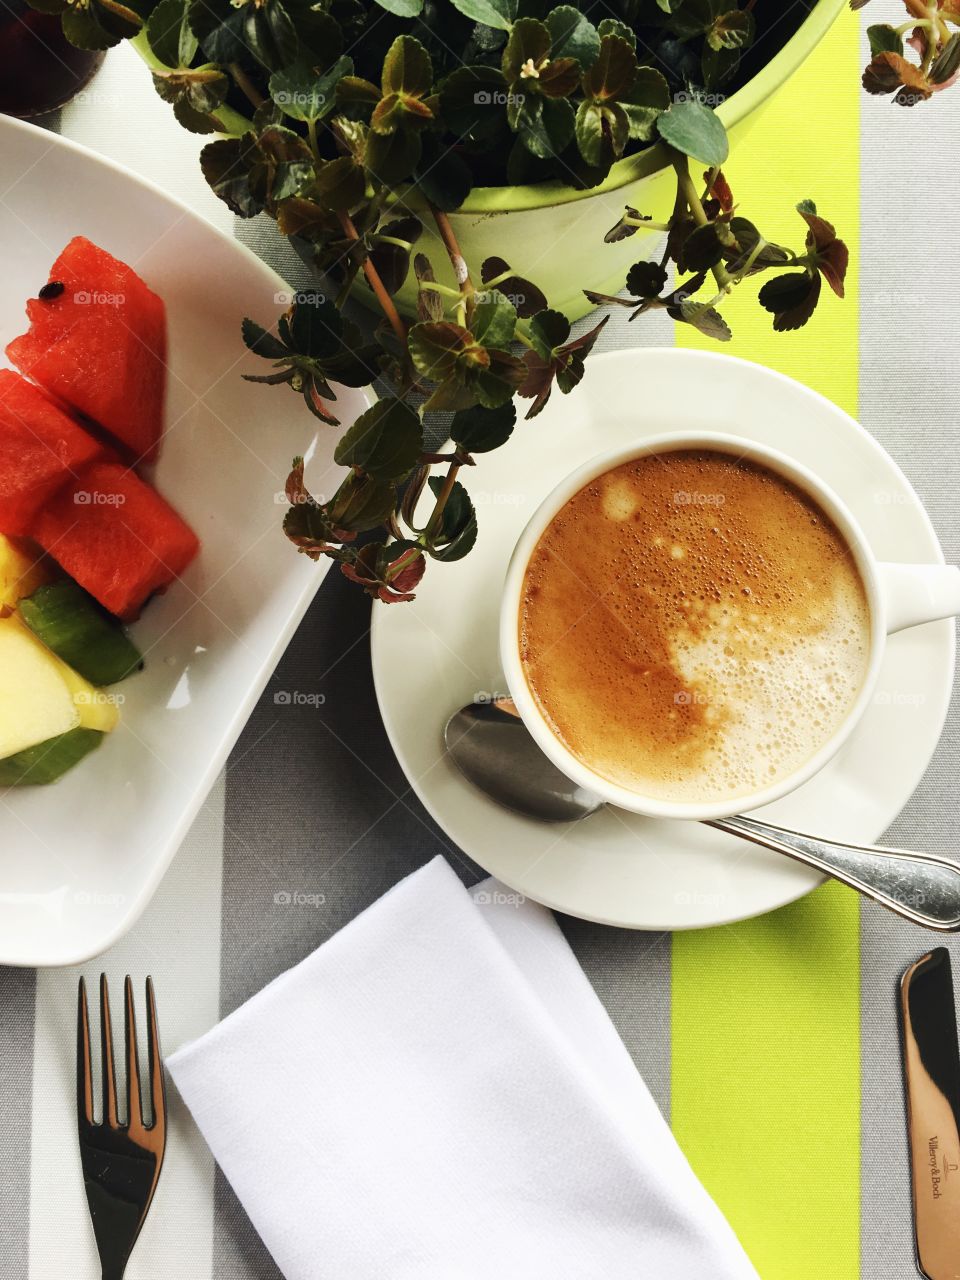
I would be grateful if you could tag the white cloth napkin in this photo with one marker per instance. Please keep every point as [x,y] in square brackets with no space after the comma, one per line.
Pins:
[437,1094]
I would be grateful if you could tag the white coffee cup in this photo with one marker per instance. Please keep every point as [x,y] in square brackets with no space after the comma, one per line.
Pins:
[898,595]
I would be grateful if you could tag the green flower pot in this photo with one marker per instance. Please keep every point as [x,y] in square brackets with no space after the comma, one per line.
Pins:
[553,234]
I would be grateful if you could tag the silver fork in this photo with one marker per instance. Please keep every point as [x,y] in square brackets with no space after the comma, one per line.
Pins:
[121,1162]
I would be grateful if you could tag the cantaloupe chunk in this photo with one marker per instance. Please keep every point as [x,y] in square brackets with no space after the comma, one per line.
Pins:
[22,570]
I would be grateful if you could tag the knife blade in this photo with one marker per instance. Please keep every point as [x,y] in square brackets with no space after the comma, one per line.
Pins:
[931,1067]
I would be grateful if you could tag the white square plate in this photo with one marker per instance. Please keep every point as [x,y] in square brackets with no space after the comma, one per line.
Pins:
[80,859]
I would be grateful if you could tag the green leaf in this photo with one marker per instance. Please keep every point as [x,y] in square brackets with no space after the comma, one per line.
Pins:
[302,94]
[547,126]
[573,36]
[443,176]
[407,68]
[646,279]
[491,13]
[393,157]
[473,101]
[947,61]
[385,441]
[884,39]
[497,385]
[548,329]
[613,72]
[286,165]
[219,28]
[354,89]
[340,184]
[703,248]
[269,33]
[703,317]
[437,348]
[313,328]
[261,342]
[733,30]
[529,43]
[227,166]
[695,130]
[613,27]
[402,8]
[392,260]
[524,295]
[748,237]
[194,94]
[84,30]
[169,34]
[361,503]
[458,528]
[320,34]
[645,102]
[480,430]
[792,298]
[602,132]
[494,319]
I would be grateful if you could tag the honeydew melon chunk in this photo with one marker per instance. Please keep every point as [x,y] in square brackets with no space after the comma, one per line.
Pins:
[81,632]
[49,760]
[36,702]
[22,571]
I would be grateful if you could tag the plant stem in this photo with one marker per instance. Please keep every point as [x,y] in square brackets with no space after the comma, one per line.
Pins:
[376,284]
[457,261]
[246,85]
[644,224]
[720,274]
[434,522]
[408,557]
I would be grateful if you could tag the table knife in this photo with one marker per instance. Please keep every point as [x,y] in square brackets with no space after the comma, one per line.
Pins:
[931,1065]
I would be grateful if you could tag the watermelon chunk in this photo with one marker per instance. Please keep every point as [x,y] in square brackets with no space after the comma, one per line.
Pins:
[115,536]
[41,448]
[99,344]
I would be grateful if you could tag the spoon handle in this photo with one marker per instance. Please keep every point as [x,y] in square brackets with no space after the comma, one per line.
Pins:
[922,887]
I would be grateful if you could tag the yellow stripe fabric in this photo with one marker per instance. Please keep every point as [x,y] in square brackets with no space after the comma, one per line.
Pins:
[765,1045]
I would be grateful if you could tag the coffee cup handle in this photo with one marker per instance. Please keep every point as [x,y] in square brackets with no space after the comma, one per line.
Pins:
[916,593]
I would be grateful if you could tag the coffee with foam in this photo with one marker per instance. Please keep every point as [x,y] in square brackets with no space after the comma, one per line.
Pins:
[693,626]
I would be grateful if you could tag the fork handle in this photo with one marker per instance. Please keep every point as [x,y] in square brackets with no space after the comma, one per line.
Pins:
[921,887]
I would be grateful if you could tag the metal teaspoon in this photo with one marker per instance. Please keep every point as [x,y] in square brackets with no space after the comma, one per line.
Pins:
[493,749]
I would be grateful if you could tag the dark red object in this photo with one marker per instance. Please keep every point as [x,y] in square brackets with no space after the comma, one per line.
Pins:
[40,449]
[97,341]
[115,536]
[40,69]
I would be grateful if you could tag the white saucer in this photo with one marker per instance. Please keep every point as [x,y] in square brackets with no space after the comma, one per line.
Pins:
[436,654]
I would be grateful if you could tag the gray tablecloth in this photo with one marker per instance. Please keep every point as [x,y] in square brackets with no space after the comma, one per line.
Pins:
[313,798]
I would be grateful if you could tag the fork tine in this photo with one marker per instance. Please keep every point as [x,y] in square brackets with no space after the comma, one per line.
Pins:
[84,1076]
[106,1046]
[158,1100]
[134,1102]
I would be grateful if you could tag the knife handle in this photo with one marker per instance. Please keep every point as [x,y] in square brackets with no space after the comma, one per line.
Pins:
[922,887]
[931,1071]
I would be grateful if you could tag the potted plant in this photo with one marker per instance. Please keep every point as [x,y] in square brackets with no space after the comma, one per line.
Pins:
[482,171]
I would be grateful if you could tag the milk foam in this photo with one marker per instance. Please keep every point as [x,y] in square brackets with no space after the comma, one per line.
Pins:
[693,627]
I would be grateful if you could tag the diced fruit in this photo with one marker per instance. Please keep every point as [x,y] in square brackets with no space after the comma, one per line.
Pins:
[22,571]
[97,710]
[50,717]
[50,760]
[81,632]
[40,449]
[97,341]
[116,536]
[36,703]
